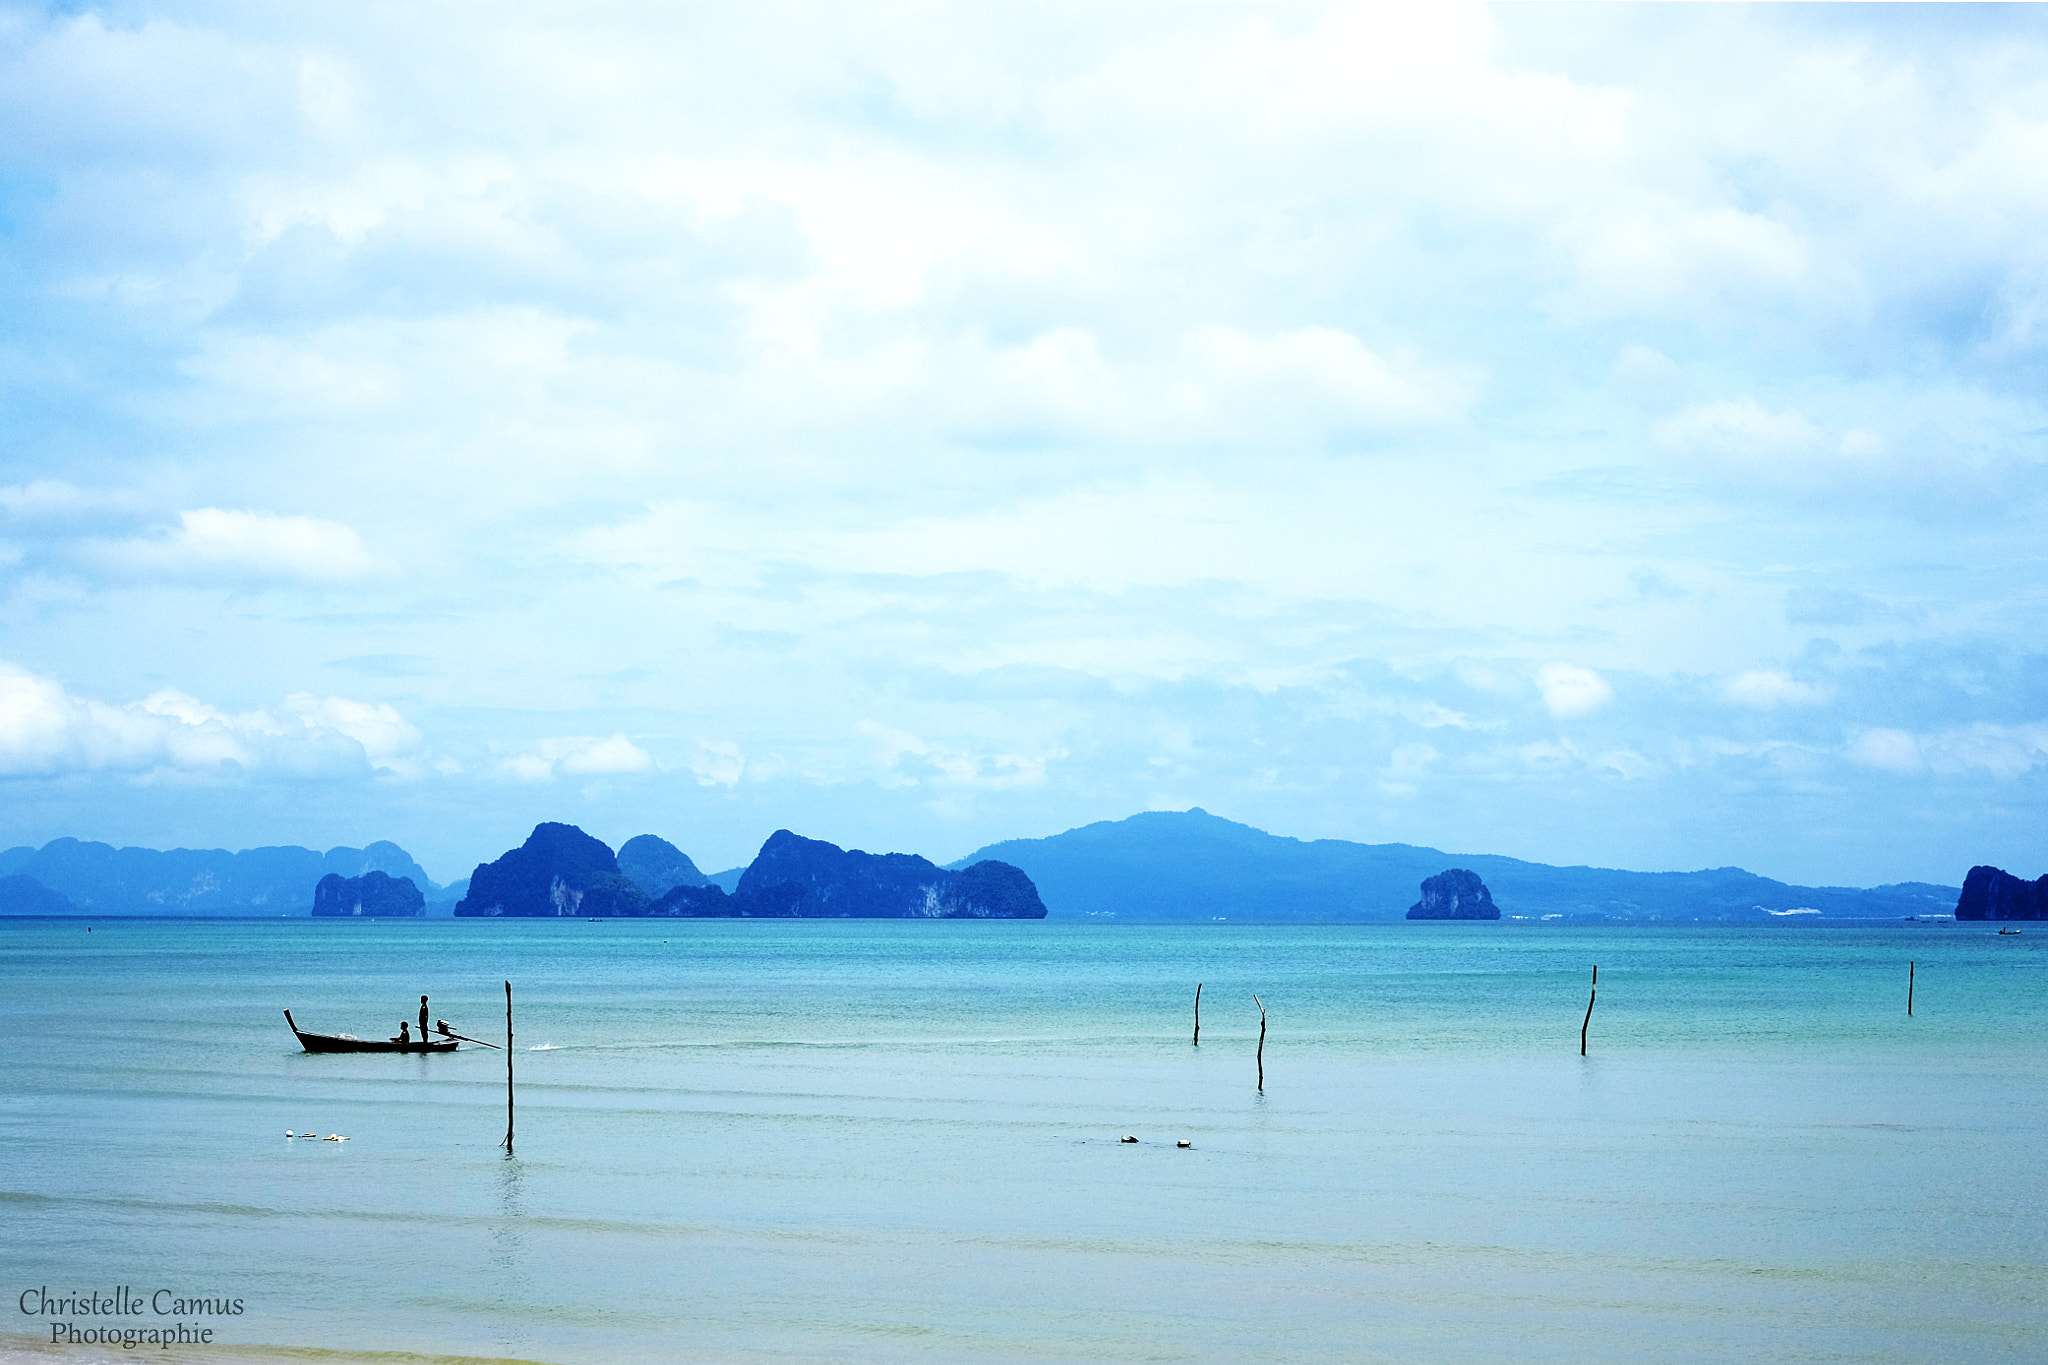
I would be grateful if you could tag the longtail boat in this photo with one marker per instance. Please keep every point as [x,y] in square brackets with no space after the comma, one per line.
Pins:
[341,1042]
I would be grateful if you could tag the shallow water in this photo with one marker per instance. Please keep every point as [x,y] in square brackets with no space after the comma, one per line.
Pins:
[835,1141]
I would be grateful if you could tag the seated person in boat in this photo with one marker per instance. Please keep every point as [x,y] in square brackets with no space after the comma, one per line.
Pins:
[404,1032]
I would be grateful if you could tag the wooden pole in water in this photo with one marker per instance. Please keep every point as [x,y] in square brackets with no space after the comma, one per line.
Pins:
[1909,988]
[508,1068]
[1198,1014]
[1589,1011]
[1262,1041]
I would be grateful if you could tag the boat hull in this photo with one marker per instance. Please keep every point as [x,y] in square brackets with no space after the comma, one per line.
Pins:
[327,1042]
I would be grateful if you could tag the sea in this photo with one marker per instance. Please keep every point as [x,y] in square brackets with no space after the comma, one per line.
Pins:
[854,1141]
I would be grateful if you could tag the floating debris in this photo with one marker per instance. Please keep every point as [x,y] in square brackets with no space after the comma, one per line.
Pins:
[1127,1138]
[1183,1143]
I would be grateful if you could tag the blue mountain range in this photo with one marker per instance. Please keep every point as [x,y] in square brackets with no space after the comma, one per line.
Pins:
[1162,866]
[1191,866]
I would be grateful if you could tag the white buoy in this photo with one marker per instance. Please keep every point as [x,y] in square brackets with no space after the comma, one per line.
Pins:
[288,1132]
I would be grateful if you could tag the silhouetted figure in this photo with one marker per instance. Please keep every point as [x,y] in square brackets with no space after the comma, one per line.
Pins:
[404,1032]
[423,1019]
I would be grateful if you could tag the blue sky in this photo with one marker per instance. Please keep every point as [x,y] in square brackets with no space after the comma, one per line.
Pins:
[1608,434]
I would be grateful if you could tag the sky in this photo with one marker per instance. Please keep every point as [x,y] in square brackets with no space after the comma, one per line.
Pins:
[1606,434]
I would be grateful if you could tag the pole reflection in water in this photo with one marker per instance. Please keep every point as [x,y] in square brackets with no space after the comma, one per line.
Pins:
[509,1258]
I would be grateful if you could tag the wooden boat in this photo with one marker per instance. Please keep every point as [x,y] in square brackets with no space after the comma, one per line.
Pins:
[330,1042]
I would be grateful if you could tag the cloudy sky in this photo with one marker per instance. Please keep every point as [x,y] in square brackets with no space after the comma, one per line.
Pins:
[1607,434]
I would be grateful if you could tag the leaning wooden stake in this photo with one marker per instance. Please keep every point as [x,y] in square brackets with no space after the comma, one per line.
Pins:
[1198,1014]
[1262,1041]
[1589,1011]
[1909,989]
[508,1067]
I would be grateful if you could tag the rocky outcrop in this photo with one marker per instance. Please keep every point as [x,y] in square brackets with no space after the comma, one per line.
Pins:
[656,865]
[994,890]
[1992,893]
[811,879]
[374,894]
[798,878]
[559,870]
[1454,894]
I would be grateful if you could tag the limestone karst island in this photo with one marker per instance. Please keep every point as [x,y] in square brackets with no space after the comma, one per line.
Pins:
[560,870]
[1454,894]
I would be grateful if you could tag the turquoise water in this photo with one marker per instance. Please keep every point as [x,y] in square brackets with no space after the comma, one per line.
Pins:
[898,1141]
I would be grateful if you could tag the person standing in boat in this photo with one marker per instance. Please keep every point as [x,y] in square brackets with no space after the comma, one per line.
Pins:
[424,1035]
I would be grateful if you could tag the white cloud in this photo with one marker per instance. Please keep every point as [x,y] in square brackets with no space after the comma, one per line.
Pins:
[904,760]
[577,756]
[211,544]
[1212,384]
[1767,688]
[44,729]
[385,735]
[35,722]
[528,767]
[1407,767]
[1888,750]
[1647,374]
[2004,752]
[1318,377]
[615,755]
[1625,763]
[1740,430]
[1569,690]
[46,500]
[718,763]
[1669,260]
[1946,458]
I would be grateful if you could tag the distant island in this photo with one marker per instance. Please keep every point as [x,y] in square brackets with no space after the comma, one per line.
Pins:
[374,894]
[1454,894]
[1991,893]
[1159,867]
[560,870]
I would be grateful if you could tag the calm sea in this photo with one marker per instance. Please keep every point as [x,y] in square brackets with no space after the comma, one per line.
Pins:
[900,1142]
